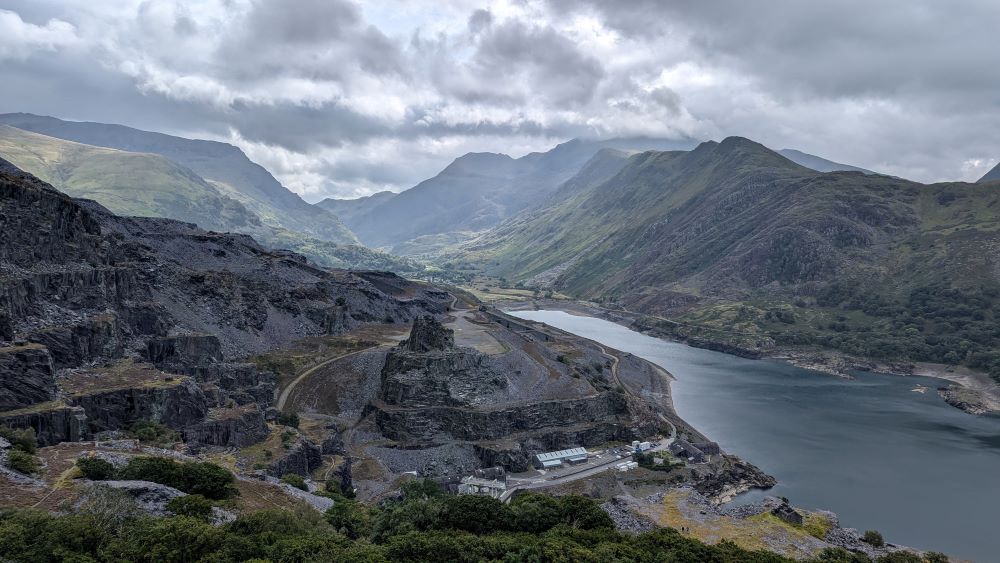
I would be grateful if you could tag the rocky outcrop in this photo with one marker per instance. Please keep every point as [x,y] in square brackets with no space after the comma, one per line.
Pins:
[53,422]
[736,477]
[72,345]
[151,497]
[187,351]
[301,459]
[26,376]
[452,377]
[333,444]
[427,334]
[235,427]
[437,423]
[175,404]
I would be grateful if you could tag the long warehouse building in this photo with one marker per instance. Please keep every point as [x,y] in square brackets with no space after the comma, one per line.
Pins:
[549,460]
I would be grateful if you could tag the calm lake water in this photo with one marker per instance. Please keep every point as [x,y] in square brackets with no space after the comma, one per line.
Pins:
[881,456]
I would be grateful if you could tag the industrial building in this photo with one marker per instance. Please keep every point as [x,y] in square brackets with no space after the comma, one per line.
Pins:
[685,450]
[482,487]
[549,460]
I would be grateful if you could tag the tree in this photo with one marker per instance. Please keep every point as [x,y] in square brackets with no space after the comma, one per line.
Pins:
[874,538]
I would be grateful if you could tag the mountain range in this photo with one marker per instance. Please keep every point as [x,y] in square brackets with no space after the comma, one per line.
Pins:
[147,184]
[729,224]
[226,167]
[474,193]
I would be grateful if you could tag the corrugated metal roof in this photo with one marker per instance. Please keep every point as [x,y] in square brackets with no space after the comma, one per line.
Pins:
[561,454]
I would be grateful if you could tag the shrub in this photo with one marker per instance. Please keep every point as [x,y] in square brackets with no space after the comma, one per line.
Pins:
[153,433]
[156,469]
[195,506]
[201,478]
[421,489]
[295,480]
[22,461]
[874,538]
[348,517]
[95,468]
[207,479]
[288,419]
[23,439]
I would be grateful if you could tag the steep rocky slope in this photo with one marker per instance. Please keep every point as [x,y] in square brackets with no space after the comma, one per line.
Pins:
[442,401]
[106,320]
[226,166]
[149,185]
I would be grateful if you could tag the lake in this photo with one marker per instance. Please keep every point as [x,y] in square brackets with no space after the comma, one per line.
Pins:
[880,455]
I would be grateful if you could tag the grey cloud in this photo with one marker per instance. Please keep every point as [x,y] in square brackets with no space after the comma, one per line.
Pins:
[309,39]
[480,20]
[907,87]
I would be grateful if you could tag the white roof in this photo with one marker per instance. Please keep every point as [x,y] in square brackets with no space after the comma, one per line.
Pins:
[561,454]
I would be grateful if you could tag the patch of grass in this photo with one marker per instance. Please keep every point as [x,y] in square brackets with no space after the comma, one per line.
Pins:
[816,525]
[125,374]
[288,363]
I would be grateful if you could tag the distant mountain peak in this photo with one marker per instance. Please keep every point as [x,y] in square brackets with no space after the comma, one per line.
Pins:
[992,175]
[818,163]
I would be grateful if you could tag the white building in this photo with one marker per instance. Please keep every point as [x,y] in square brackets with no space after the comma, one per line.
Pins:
[549,460]
[483,487]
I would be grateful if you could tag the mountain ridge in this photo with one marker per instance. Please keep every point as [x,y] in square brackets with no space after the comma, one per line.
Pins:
[225,165]
[991,176]
[478,190]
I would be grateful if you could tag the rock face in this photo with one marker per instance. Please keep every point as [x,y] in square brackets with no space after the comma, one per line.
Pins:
[175,405]
[427,334]
[301,459]
[184,350]
[26,376]
[434,393]
[53,422]
[237,427]
[82,287]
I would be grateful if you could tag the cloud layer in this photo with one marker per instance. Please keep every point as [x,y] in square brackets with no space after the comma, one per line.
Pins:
[344,99]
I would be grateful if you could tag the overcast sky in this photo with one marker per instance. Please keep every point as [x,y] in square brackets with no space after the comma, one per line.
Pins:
[340,98]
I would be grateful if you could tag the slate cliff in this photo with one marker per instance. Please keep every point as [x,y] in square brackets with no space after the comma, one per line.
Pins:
[106,320]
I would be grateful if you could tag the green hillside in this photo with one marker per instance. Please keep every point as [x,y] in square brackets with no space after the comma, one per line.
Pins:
[873,265]
[221,164]
[474,193]
[126,183]
[150,185]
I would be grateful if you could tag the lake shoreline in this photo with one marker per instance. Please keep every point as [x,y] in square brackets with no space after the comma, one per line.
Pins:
[716,506]
[967,390]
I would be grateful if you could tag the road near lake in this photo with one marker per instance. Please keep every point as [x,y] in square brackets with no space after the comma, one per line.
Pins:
[873,450]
